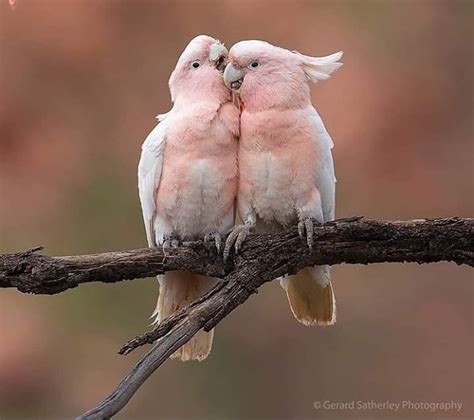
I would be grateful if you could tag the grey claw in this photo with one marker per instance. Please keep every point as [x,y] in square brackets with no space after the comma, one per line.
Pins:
[171,242]
[309,233]
[306,228]
[228,244]
[301,229]
[217,240]
[235,240]
[240,240]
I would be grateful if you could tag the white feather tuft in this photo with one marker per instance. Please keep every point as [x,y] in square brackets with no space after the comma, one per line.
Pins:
[320,68]
[162,117]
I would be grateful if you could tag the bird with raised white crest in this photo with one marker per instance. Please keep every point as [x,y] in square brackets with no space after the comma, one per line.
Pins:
[286,170]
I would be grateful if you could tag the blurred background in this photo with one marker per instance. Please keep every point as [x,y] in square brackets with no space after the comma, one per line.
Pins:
[80,85]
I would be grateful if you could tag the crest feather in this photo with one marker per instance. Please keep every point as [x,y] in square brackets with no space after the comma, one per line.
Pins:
[319,68]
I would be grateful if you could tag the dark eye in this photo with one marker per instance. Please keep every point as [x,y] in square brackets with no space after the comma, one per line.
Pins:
[254,64]
[195,64]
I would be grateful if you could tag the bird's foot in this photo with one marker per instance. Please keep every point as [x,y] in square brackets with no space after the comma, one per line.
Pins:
[217,238]
[236,238]
[306,230]
[171,241]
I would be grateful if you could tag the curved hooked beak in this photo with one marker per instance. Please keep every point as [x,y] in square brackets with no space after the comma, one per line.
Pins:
[233,77]
[218,55]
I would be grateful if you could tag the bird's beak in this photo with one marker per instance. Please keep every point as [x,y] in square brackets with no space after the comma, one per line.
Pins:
[233,77]
[218,55]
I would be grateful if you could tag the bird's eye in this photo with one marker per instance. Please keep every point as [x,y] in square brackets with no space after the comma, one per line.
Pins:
[195,64]
[254,64]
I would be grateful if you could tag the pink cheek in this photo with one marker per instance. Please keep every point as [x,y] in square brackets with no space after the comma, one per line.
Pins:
[248,83]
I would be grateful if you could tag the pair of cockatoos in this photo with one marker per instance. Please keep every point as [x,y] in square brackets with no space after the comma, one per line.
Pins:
[270,158]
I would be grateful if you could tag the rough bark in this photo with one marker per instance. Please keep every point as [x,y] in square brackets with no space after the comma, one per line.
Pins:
[352,241]
[262,259]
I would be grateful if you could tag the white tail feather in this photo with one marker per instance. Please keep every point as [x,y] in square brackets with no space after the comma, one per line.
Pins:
[311,296]
[179,289]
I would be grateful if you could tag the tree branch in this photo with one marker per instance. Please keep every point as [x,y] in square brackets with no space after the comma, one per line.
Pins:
[40,274]
[352,241]
[262,259]
[349,240]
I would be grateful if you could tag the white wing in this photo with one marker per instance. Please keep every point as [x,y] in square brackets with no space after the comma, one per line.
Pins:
[325,177]
[149,174]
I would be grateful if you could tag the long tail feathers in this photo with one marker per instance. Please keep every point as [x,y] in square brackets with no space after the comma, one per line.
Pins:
[179,289]
[311,296]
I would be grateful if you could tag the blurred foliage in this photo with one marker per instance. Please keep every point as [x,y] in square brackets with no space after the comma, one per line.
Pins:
[81,82]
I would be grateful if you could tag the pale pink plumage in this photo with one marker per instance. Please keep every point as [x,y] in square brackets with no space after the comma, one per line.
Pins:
[286,172]
[188,173]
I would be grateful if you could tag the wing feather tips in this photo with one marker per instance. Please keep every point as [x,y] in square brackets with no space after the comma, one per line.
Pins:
[320,68]
[149,174]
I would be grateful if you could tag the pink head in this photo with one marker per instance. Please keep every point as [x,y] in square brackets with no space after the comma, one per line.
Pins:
[267,76]
[198,72]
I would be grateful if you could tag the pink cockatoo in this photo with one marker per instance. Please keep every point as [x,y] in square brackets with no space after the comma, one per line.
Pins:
[286,171]
[187,175]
